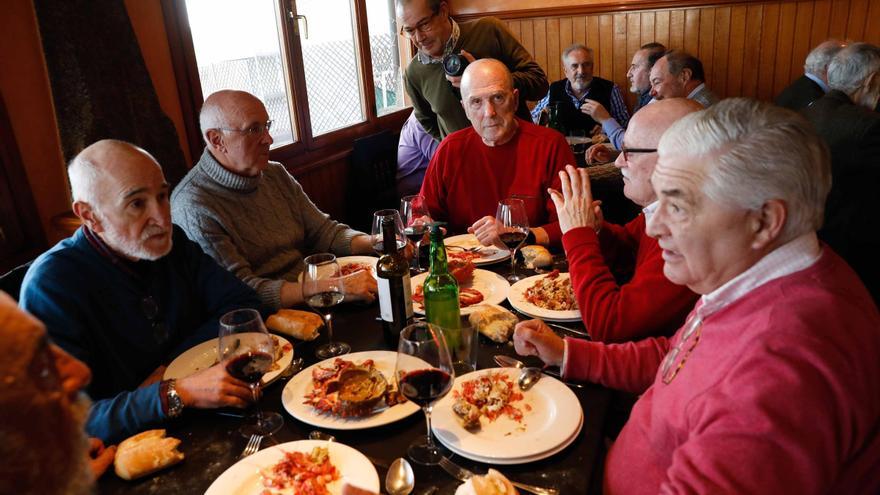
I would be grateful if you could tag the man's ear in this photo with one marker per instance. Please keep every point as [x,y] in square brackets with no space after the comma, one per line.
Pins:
[515,99]
[768,223]
[215,140]
[685,75]
[86,214]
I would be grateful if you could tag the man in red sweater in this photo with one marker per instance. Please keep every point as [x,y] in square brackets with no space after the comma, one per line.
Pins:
[499,156]
[773,384]
[649,304]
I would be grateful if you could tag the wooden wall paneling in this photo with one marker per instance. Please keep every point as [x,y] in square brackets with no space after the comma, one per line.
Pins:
[769,35]
[566,37]
[540,53]
[514,27]
[785,40]
[661,28]
[839,16]
[821,19]
[315,178]
[591,27]
[579,30]
[721,53]
[676,29]
[649,24]
[554,50]
[858,15]
[707,42]
[736,51]
[801,45]
[606,42]
[527,27]
[619,51]
[872,29]
[691,32]
[752,50]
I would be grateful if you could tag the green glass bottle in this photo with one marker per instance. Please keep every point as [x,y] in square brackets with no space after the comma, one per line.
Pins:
[554,121]
[441,291]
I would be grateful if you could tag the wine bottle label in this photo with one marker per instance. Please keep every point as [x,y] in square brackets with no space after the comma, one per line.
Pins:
[394,287]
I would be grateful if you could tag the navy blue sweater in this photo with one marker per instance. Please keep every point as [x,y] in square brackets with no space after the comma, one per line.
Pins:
[124,319]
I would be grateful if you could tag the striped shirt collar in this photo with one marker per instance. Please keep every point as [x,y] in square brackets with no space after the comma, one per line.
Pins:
[450,45]
[794,256]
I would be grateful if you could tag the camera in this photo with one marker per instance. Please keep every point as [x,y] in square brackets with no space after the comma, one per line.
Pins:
[454,65]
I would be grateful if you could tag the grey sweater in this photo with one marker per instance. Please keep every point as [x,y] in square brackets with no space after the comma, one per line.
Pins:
[259,228]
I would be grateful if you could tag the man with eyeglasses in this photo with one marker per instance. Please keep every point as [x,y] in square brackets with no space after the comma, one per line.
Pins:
[129,292]
[435,96]
[599,252]
[773,383]
[250,214]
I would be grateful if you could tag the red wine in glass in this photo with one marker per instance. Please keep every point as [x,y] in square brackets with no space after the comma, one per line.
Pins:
[415,233]
[513,239]
[324,302]
[425,386]
[250,366]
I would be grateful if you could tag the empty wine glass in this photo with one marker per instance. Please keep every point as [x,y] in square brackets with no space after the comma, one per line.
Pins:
[323,289]
[513,229]
[376,233]
[248,351]
[416,218]
[424,375]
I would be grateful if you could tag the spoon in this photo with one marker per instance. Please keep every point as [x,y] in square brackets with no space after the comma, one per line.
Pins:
[529,376]
[400,479]
[320,435]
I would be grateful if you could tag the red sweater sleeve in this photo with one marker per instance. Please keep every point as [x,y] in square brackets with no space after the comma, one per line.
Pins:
[649,304]
[631,366]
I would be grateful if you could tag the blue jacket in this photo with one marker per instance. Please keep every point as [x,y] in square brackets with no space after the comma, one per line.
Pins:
[124,319]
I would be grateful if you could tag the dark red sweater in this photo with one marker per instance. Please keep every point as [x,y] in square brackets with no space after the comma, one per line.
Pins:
[648,305]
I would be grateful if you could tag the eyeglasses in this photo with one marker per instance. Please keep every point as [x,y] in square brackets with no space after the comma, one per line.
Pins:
[150,308]
[424,26]
[254,130]
[667,372]
[625,151]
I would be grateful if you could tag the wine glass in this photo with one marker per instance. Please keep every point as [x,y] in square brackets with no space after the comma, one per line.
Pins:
[416,218]
[322,290]
[514,228]
[376,233]
[248,351]
[424,375]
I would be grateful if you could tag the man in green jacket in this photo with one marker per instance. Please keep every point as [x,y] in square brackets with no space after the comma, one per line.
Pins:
[434,94]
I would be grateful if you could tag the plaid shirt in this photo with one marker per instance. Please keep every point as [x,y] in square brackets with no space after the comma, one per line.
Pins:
[618,109]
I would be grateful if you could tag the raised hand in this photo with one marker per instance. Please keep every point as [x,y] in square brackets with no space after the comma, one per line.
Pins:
[575,206]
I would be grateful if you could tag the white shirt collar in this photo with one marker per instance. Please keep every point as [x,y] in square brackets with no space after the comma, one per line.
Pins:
[789,258]
[696,90]
[649,210]
[818,80]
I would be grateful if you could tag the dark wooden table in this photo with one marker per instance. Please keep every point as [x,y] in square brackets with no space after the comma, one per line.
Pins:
[212,443]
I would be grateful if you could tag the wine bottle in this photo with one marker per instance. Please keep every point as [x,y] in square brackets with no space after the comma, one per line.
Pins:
[395,295]
[555,119]
[441,291]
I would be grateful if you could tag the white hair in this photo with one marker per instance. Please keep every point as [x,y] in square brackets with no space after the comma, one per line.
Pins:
[575,47]
[852,65]
[818,59]
[83,174]
[760,152]
[212,116]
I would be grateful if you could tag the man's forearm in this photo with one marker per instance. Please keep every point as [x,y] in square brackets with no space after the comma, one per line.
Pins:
[291,294]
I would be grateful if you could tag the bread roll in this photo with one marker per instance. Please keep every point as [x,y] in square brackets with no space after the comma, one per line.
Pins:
[302,325]
[493,321]
[146,453]
[536,256]
[492,483]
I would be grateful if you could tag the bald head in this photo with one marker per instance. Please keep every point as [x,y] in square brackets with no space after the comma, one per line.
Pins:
[93,167]
[221,108]
[643,133]
[235,126]
[484,72]
[490,100]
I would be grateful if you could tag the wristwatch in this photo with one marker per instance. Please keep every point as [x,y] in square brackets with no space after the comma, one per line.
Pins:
[175,403]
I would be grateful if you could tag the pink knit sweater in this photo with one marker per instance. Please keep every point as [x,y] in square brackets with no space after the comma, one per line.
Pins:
[780,395]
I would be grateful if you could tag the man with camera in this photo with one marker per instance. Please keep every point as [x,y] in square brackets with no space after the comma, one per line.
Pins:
[445,48]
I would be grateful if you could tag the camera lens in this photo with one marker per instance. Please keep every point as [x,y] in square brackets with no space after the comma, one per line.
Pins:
[454,64]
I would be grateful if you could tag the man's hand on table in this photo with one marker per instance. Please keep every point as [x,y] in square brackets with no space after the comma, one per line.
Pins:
[486,230]
[100,457]
[213,387]
[535,338]
[456,80]
[599,153]
[575,206]
[360,286]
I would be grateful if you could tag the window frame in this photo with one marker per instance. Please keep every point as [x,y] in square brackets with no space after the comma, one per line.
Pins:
[307,148]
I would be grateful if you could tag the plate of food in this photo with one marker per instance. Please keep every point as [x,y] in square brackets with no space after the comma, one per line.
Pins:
[352,392]
[548,297]
[348,265]
[204,356]
[482,287]
[304,466]
[487,417]
[467,246]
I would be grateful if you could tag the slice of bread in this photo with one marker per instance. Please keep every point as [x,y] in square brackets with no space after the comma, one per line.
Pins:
[146,453]
[302,325]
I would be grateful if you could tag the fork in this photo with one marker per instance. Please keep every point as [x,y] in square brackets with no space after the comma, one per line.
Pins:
[462,474]
[467,249]
[252,446]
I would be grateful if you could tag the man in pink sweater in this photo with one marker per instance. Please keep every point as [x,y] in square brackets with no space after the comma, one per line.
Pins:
[649,304]
[773,383]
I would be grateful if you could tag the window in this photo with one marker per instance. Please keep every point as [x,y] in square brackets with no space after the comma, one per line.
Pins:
[319,66]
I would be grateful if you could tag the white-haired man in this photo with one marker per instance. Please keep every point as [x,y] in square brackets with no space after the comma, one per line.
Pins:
[497,157]
[773,383]
[814,83]
[845,120]
[129,291]
[250,214]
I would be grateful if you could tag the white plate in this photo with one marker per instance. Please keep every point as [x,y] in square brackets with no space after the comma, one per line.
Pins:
[489,254]
[494,288]
[204,356]
[243,477]
[552,423]
[295,391]
[347,260]
[518,301]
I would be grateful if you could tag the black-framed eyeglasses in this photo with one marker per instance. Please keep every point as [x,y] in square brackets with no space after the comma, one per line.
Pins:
[150,309]
[424,26]
[694,329]
[625,151]
[254,130]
